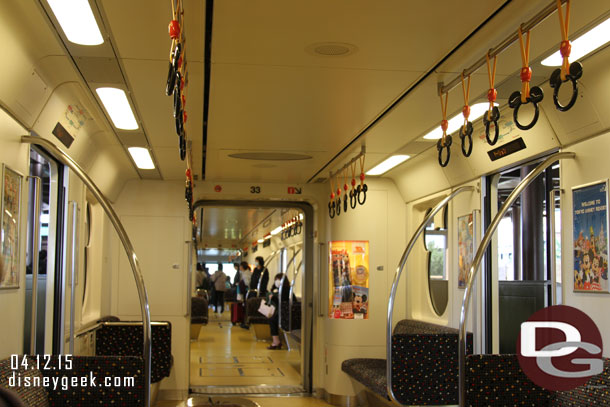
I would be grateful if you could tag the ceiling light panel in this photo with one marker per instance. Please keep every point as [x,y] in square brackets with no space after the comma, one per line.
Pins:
[456,121]
[77,21]
[583,45]
[116,104]
[141,156]
[388,164]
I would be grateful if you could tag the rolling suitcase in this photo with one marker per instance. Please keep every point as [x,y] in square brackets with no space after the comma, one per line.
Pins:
[237,313]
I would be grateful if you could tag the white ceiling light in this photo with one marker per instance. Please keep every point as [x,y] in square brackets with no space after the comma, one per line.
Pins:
[456,121]
[583,45]
[388,164]
[77,21]
[276,231]
[118,107]
[260,240]
[142,158]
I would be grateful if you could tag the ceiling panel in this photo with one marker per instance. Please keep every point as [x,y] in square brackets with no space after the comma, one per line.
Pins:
[408,35]
[230,225]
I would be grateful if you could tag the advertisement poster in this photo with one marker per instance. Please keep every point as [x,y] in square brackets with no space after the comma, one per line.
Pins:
[348,280]
[9,232]
[590,205]
[465,248]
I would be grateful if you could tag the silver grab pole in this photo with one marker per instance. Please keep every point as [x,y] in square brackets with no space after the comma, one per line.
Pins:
[73,271]
[279,297]
[321,297]
[472,274]
[291,293]
[123,237]
[401,265]
[35,259]
[551,214]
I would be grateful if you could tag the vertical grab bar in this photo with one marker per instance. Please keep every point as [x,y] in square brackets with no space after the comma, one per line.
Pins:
[290,294]
[260,279]
[551,213]
[73,271]
[123,237]
[279,301]
[401,265]
[35,259]
[321,297]
[481,252]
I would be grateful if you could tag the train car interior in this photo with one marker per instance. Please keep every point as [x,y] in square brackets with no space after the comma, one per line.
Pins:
[328,203]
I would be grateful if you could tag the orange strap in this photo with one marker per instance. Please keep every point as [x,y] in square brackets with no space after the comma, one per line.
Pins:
[353,167]
[444,123]
[525,69]
[362,169]
[466,92]
[565,48]
[491,74]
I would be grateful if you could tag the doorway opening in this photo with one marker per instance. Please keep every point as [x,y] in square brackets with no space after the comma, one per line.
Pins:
[39,336]
[254,275]
[527,255]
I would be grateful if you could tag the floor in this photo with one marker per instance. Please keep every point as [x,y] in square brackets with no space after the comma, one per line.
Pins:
[227,355]
[264,402]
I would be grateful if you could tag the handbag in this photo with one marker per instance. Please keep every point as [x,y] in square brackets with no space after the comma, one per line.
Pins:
[266,310]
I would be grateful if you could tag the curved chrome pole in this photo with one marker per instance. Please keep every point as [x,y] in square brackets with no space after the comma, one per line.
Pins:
[401,265]
[279,297]
[118,226]
[472,273]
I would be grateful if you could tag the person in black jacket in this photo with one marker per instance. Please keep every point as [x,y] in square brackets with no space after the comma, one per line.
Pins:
[260,273]
[274,322]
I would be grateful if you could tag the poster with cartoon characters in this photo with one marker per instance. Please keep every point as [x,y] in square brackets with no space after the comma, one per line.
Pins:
[590,206]
[348,279]
[9,231]
[465,248]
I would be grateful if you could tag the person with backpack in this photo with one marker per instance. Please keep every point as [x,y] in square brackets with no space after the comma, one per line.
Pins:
[219,278]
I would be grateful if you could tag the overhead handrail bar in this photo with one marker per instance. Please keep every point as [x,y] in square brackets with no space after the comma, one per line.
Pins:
[291,293]
[525,27]
[399,269]
[348,164]
[279,301]
[123,237]
[472,273]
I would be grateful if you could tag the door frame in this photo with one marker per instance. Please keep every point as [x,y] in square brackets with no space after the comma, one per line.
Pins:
[308,275]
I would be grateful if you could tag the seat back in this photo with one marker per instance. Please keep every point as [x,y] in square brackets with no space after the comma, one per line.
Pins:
[199,310]
[425,364]
[13,379]
[126,339]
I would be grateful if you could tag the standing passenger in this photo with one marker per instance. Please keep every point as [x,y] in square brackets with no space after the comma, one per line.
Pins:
[219,279]
[260,273]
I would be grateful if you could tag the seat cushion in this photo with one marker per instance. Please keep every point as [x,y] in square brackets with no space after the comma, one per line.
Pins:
[594,393]
[370,372]
[252,314]
[497,380]
[32,396]
[199,310]
[126,340]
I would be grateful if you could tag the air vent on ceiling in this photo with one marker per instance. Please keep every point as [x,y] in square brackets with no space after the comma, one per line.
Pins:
[320,180]
[270,156]
[331,49]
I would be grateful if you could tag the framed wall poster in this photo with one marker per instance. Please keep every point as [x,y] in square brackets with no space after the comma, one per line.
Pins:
[590,227]
[9,228]
[465,247]
[348,279]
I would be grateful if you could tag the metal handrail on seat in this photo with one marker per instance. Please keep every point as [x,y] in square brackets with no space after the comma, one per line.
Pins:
[260,279]
[472,273]
[401,265]
[123,237]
